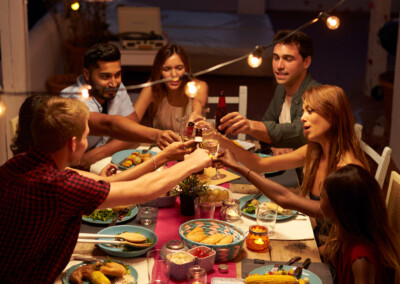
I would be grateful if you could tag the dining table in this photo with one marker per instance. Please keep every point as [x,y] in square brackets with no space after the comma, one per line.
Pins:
[293,236]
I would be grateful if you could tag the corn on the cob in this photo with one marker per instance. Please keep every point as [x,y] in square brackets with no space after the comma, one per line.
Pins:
[270,279]
[96,277]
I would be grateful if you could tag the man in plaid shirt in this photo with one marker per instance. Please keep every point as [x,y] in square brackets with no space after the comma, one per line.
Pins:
[42,203]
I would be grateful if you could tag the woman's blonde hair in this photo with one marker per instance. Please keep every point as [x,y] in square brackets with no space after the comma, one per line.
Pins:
[56,121]
[332,104]
[159,91]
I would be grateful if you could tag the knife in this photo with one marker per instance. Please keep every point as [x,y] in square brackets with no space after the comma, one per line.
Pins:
[280,266]
[299,270]
[257,196]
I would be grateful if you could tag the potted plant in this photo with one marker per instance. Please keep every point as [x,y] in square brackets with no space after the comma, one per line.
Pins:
[188,190]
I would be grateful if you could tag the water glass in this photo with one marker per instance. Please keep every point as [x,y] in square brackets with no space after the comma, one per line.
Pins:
[158,267]
[147,214]
[204,207]
[266,216]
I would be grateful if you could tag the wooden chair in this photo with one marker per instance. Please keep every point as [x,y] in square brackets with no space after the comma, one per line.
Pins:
[381,160]
[13,126]
[393,201]
[241,101]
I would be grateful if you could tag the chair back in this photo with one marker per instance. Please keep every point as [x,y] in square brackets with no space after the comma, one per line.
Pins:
[393,201]
[240,100]
[381,160]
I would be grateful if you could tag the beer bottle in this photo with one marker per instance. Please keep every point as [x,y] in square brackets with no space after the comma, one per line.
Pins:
[198,143]
[220,112]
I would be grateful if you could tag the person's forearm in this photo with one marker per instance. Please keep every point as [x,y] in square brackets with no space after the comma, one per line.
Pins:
[135,172]
[122,128]
[282,195]
[259,131]
[149,186]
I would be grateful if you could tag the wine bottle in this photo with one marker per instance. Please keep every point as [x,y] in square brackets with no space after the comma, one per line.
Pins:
[189,130]
[220,112]
[198,144]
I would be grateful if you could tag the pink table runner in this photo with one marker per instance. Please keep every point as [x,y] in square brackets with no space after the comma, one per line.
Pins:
[167,228]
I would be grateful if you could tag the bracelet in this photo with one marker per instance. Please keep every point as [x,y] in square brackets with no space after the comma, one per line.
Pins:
[247,176]
[154,163]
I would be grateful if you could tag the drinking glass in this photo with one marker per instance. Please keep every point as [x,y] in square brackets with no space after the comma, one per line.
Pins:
[204,207]
[266,216]
[211,143]
[147,213]
[158,267]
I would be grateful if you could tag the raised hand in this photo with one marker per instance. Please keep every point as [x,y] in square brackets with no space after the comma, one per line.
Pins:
[235,123]
[200,159]
[166,137]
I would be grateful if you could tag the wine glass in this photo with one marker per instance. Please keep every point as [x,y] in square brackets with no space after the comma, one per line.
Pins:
[211,143]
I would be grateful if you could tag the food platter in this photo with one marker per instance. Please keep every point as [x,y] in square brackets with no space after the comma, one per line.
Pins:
[68,272]
[314,279]
[262,199]
[128,216]
[119,157]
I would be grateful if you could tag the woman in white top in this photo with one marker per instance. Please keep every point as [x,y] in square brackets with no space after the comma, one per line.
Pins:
[168,102]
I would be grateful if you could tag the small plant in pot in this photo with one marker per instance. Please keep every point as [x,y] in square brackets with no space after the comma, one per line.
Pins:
[188,190]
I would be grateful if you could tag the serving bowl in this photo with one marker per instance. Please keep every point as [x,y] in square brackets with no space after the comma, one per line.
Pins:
[121,250]
[205,257]
[178,271]
[224,252]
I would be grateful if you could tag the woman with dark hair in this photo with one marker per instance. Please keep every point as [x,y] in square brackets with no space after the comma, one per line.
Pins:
[22,140]
[167,102]
[332,143]
[363,248]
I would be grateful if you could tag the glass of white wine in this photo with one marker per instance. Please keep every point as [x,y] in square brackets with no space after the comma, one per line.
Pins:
[211,143]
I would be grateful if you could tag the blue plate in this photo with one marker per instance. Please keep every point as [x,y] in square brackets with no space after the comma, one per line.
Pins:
[67,274]
[314,279]
[120,156]
[269,174]
[262,199]
[119,252]
[129,216]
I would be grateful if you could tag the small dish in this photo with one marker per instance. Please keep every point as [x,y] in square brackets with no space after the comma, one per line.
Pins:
[178,271]
[206,259]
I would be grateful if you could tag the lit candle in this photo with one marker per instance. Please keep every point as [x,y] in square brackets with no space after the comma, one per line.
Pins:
[259,241]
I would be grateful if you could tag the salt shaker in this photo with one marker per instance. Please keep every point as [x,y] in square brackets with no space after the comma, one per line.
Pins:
[230,210]
[197,275]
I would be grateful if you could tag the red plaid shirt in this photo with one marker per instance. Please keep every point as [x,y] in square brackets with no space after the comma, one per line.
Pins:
[41,211]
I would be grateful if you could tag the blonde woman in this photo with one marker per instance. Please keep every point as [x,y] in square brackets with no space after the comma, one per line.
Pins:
[332,143]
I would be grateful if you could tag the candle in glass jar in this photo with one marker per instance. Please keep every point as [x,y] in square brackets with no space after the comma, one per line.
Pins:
[257,239]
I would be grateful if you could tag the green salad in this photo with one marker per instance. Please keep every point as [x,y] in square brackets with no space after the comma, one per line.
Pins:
[105,214]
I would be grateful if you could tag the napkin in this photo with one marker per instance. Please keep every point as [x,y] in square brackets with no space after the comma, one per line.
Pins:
[209,172]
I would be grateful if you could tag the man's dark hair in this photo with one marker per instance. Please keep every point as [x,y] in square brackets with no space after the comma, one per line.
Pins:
[101,52]
[303,41]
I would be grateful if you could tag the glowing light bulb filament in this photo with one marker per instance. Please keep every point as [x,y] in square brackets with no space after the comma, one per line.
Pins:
[191,89]
[75,6]
[333,22]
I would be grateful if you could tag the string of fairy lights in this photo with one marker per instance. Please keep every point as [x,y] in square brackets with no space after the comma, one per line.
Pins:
[254,59]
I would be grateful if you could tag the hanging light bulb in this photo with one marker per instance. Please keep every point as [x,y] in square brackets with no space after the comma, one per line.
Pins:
[255,59]
[75,6]
[191,89]
[332,22]
[2,109]
[85,91]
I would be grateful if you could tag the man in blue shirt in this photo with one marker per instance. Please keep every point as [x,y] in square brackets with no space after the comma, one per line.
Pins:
[108,96]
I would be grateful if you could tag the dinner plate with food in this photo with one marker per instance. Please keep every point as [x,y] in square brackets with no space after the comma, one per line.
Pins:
[307,276]
[126,159]
[101,271]
[105,216]
[250,209]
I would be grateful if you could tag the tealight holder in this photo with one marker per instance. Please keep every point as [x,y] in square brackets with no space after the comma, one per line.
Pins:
[257,238]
